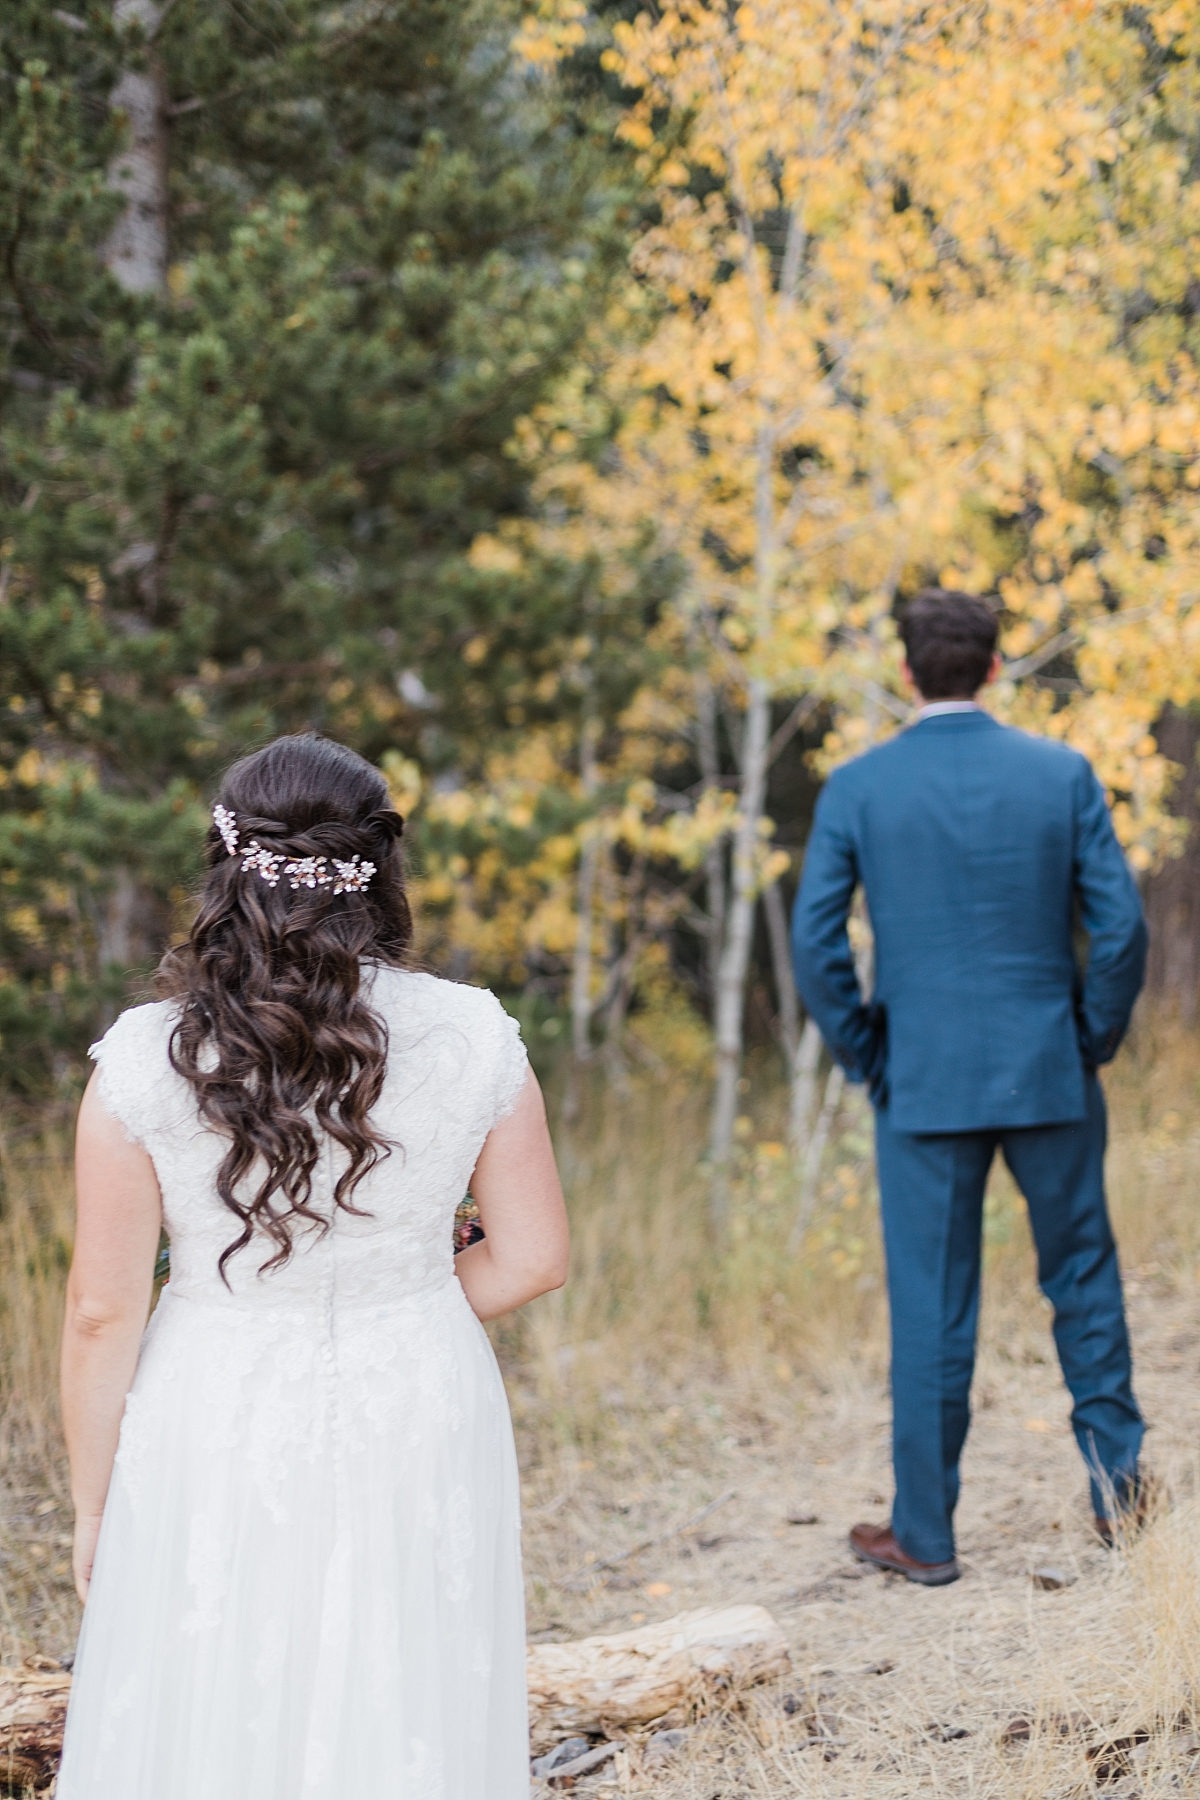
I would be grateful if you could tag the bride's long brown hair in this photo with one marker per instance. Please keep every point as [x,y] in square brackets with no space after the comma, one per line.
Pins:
[274,1033]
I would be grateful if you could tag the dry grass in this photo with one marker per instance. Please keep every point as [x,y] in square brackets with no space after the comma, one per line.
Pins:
[666,1377]
[37,1603]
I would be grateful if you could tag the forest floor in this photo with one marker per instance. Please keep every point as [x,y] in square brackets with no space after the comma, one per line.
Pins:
[899,1690]
[666,1379]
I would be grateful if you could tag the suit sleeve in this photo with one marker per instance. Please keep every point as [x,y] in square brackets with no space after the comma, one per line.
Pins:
[824,962]
[1111,909]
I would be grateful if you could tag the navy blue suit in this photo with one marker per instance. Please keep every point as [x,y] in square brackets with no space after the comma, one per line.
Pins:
[980,849]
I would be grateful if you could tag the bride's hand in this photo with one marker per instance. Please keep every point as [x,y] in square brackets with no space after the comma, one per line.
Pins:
[515,1185]
[83,1555]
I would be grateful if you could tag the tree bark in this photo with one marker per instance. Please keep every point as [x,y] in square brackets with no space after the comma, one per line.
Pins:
[599,1683]
[785,978]
[33,1711]
[1172,895]
[131,928]
[118,925]
[581,968]
[714,856]
[136,251]
[735,955]
[814,1152]
[804,1089]
[804,1084]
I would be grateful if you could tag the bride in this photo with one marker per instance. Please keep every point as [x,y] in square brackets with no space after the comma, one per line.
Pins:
[297,1529]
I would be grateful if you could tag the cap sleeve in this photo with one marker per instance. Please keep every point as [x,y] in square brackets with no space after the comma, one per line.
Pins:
[510,1061]
[133,1066]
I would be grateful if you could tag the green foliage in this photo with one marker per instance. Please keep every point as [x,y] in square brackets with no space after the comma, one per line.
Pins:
[242,505]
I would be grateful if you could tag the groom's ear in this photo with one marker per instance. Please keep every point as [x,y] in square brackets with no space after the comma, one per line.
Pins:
[995,670]
[911,680]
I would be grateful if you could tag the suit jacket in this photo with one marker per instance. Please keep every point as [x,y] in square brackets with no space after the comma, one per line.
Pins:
[975,844]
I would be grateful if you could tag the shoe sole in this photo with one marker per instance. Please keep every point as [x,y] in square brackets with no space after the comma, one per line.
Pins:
[939,1575]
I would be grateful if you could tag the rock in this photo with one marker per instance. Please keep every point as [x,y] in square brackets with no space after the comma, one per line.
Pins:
[637,1676]
[802,1515]
[1050,1580]
[1021,1728]
[567,1773]
[565,1752]
[662,1745]
[1114,1759]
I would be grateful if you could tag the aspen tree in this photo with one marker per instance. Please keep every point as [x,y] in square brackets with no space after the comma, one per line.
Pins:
[874,369]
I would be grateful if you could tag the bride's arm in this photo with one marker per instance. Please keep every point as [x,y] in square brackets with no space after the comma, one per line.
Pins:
[516,1188]
[118,1220]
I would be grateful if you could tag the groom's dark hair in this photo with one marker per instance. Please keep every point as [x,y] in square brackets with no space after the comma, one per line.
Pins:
[949,639]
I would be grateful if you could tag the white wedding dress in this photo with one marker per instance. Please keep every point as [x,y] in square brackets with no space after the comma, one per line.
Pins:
[308,1581]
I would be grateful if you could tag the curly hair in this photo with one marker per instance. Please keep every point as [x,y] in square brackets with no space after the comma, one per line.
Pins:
[274,1034]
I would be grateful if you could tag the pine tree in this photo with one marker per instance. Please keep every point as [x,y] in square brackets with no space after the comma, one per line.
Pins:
[278,281]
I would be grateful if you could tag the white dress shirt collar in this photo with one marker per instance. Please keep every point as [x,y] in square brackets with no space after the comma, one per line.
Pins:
[936,708]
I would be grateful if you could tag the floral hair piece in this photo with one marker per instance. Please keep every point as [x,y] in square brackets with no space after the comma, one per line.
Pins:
[301,871]
[353,876]
[308,871]
[313,872]
[267,862]
[226,824]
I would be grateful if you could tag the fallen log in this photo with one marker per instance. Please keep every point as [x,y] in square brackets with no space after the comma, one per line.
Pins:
[583,1687]
[601,1682]
[33,1711]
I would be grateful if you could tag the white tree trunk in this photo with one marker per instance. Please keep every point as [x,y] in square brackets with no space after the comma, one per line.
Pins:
[813,1155]
[136,251]
[581,967]
[714,857]
[804,1085]
[735,955]
[804,1088]
[785,977]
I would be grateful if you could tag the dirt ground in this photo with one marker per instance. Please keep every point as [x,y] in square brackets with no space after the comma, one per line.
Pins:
[896,1689]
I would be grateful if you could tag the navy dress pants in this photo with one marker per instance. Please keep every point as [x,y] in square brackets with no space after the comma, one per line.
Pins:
[931,1196]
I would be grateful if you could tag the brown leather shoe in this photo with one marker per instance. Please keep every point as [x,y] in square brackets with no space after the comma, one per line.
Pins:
[877,1544]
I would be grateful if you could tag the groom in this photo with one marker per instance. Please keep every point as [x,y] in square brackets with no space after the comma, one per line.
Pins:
[979,848]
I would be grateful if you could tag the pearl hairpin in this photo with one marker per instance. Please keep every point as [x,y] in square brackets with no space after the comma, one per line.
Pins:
[350,877]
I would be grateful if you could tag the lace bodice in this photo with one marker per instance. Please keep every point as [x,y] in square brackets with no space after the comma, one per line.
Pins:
[455,1067]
